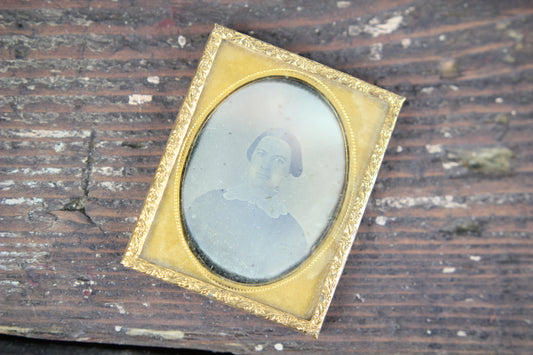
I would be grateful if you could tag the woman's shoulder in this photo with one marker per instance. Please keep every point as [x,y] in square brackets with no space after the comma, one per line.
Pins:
[210,195]
[208,200]
[293,228]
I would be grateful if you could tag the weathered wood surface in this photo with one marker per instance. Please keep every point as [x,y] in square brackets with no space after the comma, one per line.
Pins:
[443,260]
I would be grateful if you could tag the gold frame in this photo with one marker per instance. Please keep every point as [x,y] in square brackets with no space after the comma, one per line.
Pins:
[306,306]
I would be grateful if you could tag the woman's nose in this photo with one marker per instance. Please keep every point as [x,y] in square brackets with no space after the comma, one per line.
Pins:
[266,163]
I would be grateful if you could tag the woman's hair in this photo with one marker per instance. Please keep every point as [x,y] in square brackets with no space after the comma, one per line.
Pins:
[296,153]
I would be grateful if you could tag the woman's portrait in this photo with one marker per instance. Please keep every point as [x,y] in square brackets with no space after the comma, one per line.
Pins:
[263,180]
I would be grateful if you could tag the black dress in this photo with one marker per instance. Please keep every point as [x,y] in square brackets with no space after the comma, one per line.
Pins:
[240,241]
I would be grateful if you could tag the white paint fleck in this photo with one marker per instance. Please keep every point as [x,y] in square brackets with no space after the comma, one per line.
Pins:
[9,283]
[118,328]
[399,149]
[343,4]
[164,334]
[406,42]
[375,51]
[23,253]
[153,80]
[453,87]
[359,297]
[45,133]
[110,171]
[20,330]
[137,99]
[375,28]
[428,90]
[145,304]
[442,38]
[278,347]
[6,184]
[54,171]
[513,112]
[475,257]
[515,35]
[390,25]
[258,347]
[381,220]
[499,100]
[434,148]
[448,270]
[409,10]
[22,200]
[112,186]
[41,171]
[118,306]
[59,147]
[461,333]
[449,198]
[12,260]
[130,219]
[450,165]
[24,245]
[427,201]
[428,332]
[182,41]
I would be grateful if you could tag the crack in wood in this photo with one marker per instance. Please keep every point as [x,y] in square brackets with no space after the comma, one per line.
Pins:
[79,204]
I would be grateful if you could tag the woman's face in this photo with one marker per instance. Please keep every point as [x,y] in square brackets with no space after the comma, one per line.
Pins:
[270,163]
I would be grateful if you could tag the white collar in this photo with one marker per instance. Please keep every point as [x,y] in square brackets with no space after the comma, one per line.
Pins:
[271,204]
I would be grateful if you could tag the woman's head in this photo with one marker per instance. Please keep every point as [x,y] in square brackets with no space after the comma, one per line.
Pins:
[273,156]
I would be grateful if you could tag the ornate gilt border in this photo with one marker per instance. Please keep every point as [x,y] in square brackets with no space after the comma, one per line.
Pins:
[173,149]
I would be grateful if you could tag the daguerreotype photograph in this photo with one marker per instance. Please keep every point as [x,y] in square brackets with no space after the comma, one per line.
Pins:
[264,180]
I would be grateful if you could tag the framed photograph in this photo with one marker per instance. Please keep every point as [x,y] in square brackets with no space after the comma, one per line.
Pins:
[264,180]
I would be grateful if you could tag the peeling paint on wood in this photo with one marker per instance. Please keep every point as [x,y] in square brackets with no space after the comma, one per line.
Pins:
[163,334]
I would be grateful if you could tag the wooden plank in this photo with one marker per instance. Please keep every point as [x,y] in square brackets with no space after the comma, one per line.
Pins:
[442,263]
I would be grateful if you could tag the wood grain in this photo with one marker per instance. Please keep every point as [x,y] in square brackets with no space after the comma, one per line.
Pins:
[442,261]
